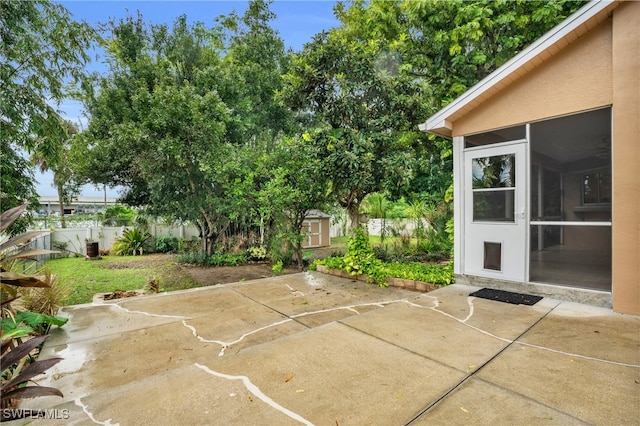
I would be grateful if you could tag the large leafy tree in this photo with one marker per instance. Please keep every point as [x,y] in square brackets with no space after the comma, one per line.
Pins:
[181,115]
[154,128]
[391,64]
[41,50]
[254,59]
[456,43]
[363,107]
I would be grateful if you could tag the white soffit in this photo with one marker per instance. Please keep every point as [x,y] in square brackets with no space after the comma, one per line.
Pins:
[576,25]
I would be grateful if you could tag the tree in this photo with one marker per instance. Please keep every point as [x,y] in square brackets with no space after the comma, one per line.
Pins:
[295,185]
[364,109]
[390,65]
[253,63]
[454,44]
[154,128]
[54,156]
[41,50]
[177,117]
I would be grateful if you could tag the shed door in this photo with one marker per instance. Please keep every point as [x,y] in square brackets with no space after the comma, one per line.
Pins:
[495,211]
[313,229]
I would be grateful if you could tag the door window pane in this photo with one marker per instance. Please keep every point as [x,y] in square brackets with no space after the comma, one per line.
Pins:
[493,183]
[494,172]
[494,206]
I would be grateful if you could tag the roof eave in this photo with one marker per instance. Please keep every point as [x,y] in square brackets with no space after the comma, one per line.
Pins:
[442,128]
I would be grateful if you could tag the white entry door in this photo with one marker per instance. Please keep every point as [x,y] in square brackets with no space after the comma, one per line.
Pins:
[495,211]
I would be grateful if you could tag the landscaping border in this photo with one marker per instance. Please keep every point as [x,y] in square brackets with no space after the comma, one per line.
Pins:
[393,282]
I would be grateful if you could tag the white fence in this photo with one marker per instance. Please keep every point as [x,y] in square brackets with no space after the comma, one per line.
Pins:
[376,226]
[394,226]
[74,240]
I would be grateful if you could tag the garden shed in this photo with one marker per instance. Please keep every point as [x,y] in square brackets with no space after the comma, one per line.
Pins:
[317,227]
[546,160]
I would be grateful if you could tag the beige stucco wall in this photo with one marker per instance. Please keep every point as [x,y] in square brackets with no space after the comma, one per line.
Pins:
[577,79]
[626,158]
[599,69]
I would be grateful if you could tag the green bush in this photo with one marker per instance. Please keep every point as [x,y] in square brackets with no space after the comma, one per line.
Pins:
[194,258]
[281,249]
[361,258]
[228,259]
[132,242]
[429,273]
[218,259]
[166,244]
[257,253]
[118,216]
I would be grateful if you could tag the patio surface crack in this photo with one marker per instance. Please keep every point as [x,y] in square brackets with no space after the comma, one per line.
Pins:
[476,371]
[257,393]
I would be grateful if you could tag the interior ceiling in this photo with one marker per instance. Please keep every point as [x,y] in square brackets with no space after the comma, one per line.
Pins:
[573,137]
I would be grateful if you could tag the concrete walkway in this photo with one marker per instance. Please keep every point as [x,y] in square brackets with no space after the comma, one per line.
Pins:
[316,349]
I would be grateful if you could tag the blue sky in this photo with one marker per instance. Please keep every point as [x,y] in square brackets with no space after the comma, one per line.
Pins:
[297,22]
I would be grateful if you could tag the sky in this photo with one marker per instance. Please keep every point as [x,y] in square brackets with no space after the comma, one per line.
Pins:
[296,21]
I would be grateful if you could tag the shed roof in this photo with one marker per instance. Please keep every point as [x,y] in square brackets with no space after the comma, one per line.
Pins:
[563,34]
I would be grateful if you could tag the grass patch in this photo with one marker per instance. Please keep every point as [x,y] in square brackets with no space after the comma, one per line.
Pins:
[111,273]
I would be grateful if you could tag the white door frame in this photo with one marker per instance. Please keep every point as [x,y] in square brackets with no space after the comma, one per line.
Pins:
[510,236]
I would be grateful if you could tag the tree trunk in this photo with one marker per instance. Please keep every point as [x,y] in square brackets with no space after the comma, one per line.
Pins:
[354,215]
[63,222]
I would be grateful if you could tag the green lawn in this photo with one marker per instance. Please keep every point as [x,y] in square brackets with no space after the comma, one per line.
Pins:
[88,277]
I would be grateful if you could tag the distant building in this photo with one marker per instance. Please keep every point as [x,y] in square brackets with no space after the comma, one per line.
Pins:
[83,205]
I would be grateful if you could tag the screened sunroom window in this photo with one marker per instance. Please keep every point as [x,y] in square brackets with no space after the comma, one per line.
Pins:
[571,193]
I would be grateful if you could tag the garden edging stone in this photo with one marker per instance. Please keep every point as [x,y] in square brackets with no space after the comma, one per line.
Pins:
[420,286]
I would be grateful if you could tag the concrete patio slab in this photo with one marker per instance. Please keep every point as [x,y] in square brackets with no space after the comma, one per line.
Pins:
[593,391]
[317,349]
[477,402]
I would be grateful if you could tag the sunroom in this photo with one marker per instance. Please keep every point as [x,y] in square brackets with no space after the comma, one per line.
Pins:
[546,182]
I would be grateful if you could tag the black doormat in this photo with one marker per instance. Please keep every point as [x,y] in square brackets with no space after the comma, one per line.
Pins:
[506,296]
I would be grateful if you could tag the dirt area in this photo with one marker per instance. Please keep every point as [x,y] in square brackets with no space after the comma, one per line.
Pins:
[229,274]
[176,276]
[172,275]
[252,271]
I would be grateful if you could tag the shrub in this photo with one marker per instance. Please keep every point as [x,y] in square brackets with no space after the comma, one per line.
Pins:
[18,365]
[277,267]
[166,244]
[44,300]
[118,216]
[194,258]
[281,249]
[360,258]
[228,259]
[132,242]
[257,253]
[217,259]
